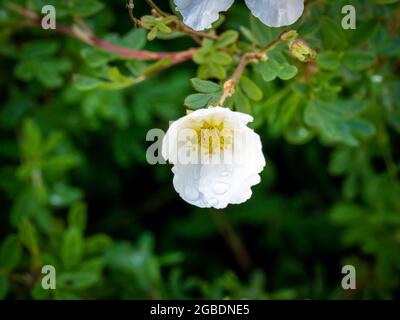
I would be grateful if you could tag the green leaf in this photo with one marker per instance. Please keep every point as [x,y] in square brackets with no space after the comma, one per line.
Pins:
[76,280]
[328,60]
[37,62]
[227,38]
[212,70]
[358,60]
[77,216]
[63,195]
[134,39]
[28,236]
[71,248]
[97,243]
[220,58]
[287,71]
[262,33]
[204,86]
[251,89]
[337,121]
[271,69]
[10,253]
[267,71]
[83,82]
[197,100]
[242,103]
[113,80]
[365,31]
[96,58]
[332,33]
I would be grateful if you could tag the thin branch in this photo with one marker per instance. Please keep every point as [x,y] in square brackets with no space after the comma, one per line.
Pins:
[156,8]
[135,21]
[232,239]
[89,38]
[230,85]
[274,42]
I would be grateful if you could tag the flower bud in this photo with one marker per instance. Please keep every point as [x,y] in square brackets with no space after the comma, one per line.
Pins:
[289,35]
[301,51]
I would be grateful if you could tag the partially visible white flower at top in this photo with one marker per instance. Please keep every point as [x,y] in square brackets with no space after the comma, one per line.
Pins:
[217,158]
[200,14]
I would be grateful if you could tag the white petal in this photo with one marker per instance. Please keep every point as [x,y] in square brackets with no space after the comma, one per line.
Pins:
[200,14]
[276,13]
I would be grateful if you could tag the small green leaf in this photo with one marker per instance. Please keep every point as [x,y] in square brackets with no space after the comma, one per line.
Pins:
[328,60]
[267,71]
[212,70]
[10,253]
[197,100]
[337,121]
[77,280]
[251,89]
[77,216]
[204,86]
[287,71]
[226,39]
[271,69]
[332,33]
[71,248]
[28,236]
[358,59]
[221,58]
[242,103]
[97,243]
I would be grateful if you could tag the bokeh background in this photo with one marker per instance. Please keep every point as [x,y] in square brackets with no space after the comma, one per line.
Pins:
[76,191]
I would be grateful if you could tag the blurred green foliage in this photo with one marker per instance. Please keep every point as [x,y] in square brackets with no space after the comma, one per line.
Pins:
[76,191]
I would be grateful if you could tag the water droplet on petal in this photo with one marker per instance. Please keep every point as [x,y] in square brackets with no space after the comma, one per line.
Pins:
[220,188]
[225,173]
[191,193]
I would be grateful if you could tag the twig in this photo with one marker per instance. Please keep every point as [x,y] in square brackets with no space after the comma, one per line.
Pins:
[89,38]
[233,240]
[273,42]
[135,21]
[156,8]
[229,85]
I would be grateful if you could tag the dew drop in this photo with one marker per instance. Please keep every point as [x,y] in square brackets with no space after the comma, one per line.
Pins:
[225,173]
[220,188]
[191,193]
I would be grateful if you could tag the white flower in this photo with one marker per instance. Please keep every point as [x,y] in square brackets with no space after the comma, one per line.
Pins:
[216,157]
[200,14]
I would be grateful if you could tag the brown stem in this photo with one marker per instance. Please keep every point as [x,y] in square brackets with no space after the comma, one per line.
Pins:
[274,42]
[156,8]
[90,39]
[130,6]
[229,85]
[233,240]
